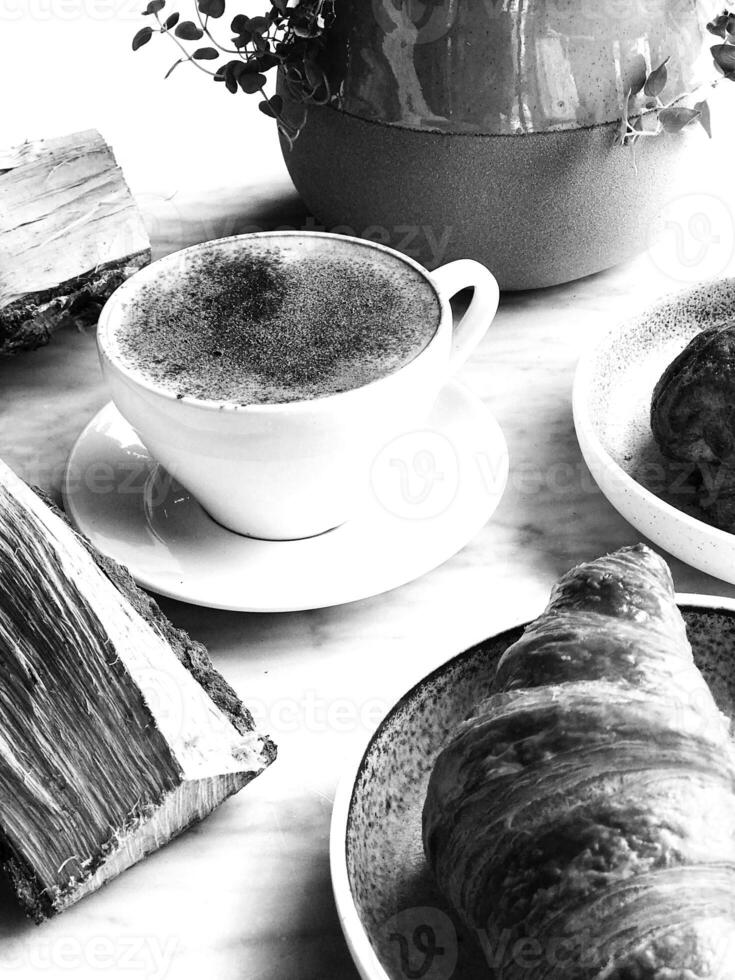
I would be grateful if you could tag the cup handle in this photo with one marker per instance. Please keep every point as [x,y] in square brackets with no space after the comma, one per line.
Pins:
[470,330]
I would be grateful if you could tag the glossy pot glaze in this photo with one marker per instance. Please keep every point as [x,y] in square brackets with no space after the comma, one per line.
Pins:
[508,66]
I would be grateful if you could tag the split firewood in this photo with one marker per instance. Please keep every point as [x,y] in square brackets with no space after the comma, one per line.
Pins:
[116,732]
[70,234]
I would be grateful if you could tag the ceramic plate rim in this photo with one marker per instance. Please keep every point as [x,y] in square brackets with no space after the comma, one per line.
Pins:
[591,444]
[356,937]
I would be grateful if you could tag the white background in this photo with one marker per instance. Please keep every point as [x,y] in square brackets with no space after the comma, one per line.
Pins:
[67,65]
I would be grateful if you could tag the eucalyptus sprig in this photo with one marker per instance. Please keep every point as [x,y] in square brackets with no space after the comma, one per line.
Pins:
[647,113]
[289,35]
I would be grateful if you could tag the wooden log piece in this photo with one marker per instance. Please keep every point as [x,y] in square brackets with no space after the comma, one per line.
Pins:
[70,233]
[116,732]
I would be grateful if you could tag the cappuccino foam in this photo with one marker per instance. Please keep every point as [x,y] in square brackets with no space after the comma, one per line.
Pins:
[261,321]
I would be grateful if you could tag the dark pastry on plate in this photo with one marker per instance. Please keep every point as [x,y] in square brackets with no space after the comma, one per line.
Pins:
[584,817]
[693,418]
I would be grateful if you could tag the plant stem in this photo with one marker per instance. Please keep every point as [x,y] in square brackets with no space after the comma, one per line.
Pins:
[187,56]
[212,38]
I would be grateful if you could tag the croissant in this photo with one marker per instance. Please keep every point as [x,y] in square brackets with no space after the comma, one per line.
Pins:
[582,821]
[692,408]
[693,418]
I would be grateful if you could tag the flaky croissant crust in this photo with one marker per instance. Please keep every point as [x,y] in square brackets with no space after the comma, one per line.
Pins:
[588,805]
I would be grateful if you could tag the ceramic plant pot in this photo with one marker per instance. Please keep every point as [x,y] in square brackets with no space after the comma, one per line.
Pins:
[486,128]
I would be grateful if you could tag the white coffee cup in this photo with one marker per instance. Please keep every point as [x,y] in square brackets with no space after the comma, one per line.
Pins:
[294,469]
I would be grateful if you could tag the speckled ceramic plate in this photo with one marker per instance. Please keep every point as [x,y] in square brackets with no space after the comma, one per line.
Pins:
[397,925]
[612,398]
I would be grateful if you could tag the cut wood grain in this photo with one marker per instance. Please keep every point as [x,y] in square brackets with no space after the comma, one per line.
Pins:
[70,233]
[116,733]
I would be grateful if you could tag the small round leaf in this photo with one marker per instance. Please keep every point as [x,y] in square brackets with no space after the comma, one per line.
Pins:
[206,54]
[154,6]
[171,21]
[142,37]
[240,24]
[252,83]
[705,117]
[231,73]
[724,55]
[637,74]
[656,81]
[718,26]
[212,8]
[675,118]
[276,104]
[188,31]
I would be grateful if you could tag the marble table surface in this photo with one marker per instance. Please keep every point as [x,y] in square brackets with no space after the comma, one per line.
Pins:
[247,893]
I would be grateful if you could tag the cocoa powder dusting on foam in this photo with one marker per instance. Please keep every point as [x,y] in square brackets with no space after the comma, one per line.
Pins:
[266,327]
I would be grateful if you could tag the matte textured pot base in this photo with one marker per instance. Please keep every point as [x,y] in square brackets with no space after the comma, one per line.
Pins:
[134,512]
[395,921]
[536,209]
[612,399]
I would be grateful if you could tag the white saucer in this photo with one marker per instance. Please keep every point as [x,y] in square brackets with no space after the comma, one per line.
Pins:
[432,490]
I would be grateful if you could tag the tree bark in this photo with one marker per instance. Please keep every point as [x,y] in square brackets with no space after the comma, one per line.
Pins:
[116,732]
[70,233]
